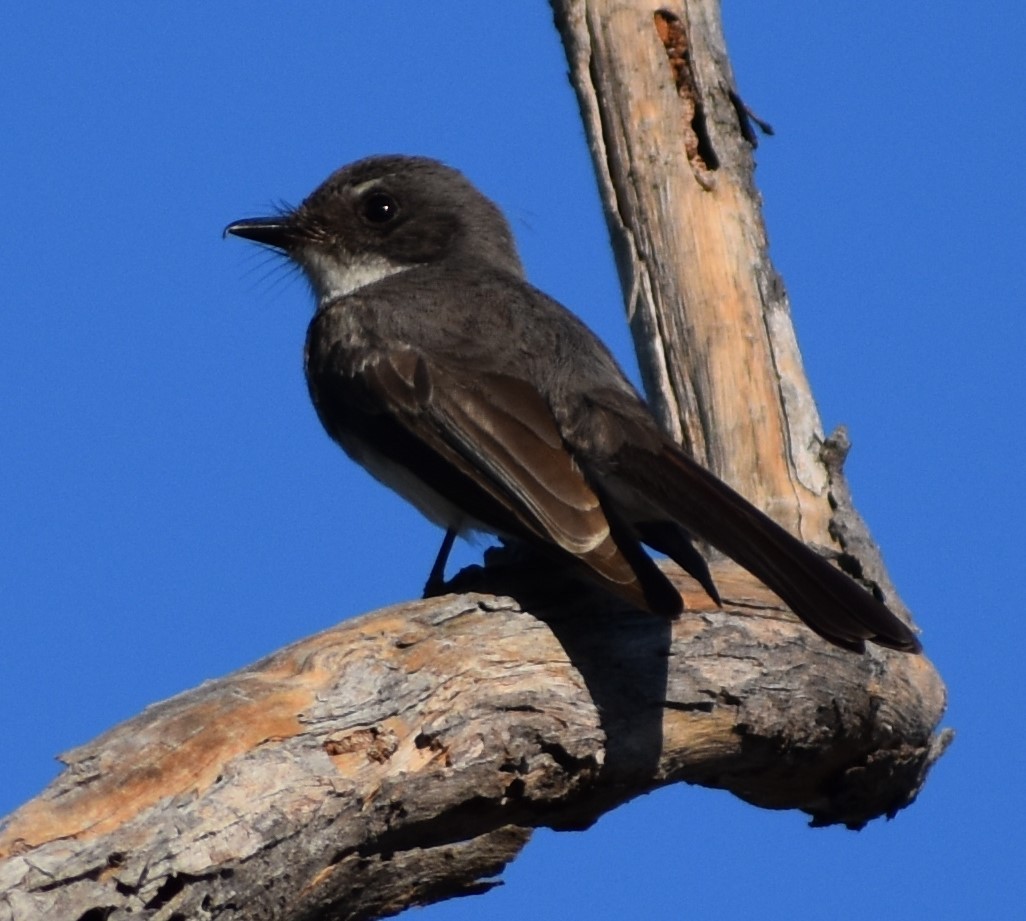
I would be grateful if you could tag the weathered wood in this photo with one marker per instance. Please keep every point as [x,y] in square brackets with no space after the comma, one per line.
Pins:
[709,315]
[404,756]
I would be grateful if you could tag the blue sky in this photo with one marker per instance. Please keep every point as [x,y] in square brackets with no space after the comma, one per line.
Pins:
[171,510]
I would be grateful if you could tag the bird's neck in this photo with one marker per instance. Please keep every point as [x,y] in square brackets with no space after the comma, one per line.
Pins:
[333,278]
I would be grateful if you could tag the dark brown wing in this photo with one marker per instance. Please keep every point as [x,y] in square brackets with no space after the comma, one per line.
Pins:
[487,445]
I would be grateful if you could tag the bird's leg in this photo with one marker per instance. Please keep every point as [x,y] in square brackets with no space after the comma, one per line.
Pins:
[435,584]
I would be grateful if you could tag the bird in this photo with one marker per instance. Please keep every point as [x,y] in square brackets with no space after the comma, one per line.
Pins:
[436,365]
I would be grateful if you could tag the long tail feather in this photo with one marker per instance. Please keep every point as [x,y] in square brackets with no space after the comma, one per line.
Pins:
[829,602]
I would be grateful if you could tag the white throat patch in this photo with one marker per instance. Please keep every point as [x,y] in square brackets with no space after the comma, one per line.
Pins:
[333,278]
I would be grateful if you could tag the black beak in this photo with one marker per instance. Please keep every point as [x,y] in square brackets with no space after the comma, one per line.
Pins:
[270,231]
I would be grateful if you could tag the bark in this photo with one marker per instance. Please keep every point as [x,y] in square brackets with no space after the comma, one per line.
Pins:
[672,148]
[404,756]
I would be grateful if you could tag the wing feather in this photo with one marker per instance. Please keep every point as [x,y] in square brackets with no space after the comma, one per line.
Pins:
[486,443]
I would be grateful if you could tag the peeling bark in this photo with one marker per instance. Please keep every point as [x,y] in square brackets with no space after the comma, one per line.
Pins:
[709,314]
[403,757]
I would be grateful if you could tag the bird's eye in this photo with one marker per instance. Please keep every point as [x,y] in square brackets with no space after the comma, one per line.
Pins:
[379,208]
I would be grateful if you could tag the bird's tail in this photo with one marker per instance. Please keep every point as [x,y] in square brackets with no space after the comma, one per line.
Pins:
[830,602]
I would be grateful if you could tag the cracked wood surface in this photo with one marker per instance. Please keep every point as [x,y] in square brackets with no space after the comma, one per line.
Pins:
[709,314]
[404,756]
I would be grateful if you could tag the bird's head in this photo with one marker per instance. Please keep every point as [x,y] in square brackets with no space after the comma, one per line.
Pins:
[381,215]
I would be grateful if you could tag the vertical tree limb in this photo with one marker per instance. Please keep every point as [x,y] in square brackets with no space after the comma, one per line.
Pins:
[709,315]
